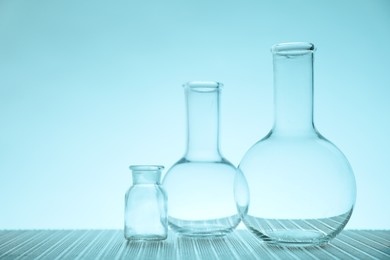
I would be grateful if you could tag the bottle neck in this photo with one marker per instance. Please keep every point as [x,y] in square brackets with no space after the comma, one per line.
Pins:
[293,91]
[146,174]
[202,101]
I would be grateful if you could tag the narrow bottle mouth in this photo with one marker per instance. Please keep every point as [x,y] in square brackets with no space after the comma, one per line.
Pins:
[203,86]
[146,167]
[293,48]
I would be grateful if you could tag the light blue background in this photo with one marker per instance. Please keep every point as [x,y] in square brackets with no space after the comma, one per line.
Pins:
[90,87]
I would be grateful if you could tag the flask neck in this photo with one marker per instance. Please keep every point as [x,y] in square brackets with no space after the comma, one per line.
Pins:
[202,104]
[146,174]
[293,88]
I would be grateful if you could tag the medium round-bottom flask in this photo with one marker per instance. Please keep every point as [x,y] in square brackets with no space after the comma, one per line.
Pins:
[206,192]
[302,188]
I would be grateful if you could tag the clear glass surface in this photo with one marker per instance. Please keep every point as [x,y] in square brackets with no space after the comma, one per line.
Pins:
[206,192]
[146,205]
[302,188]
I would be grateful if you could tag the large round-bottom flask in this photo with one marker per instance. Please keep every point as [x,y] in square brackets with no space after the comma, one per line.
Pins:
[302,188]
[205,191]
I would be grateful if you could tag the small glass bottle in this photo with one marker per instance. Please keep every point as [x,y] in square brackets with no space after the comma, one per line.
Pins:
[302,188]
[207,195]
[146,205]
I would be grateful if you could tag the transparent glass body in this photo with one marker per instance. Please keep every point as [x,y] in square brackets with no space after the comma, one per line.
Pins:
[146,205]
[204,188]
[302,188]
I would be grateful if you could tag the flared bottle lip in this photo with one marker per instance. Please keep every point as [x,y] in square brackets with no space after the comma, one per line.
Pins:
[146,167]
[293,48]
[203,86]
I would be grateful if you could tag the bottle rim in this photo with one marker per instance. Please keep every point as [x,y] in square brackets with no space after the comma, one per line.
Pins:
[293,48]
[203,86]
[146,167]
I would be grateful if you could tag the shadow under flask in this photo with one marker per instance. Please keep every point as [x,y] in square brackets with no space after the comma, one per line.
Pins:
[302,188]
[204,188]
[146,205]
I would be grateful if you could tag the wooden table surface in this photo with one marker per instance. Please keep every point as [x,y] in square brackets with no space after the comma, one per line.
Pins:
[110,244]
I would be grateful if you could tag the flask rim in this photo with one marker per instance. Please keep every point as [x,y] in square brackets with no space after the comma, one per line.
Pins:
[146,167]
[293,48]
[203,86]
